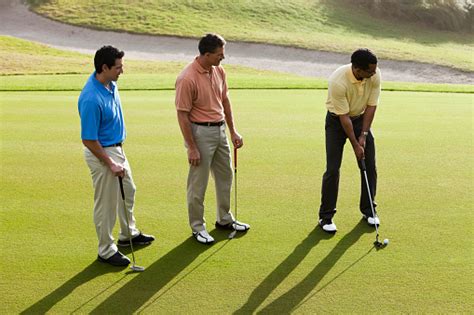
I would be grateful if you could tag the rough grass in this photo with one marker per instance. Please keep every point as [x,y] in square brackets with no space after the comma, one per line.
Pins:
[425,197]
[315,24]
[29,66]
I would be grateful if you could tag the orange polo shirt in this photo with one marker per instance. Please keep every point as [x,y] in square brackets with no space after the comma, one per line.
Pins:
[347,95]
[201,92]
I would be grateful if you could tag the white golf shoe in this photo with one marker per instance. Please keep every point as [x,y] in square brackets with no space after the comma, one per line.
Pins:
[327,226]
[203,237]
[371,220]
[236,225]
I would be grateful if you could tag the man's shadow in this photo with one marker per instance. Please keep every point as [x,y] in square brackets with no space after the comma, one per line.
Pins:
[140,289]
[288,301]
[278,275]
[291,300]
[92,271]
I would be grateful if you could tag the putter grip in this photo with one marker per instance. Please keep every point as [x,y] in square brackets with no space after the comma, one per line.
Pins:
[362,164]
[235,158]
[121,187]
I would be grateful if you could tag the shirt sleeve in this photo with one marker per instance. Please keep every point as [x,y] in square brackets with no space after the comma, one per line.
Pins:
[338,98]
[184,95]
[376,88]
[90,114]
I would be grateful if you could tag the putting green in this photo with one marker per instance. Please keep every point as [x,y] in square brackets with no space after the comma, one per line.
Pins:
[425,163]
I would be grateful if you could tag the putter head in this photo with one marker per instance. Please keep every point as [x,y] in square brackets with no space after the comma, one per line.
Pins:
[379,245]
[137,268]
[232,234]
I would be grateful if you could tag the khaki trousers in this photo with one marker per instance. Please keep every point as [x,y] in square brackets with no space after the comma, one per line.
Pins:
[108,200]
[215,158]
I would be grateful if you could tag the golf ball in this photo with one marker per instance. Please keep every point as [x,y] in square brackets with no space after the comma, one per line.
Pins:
[385,241]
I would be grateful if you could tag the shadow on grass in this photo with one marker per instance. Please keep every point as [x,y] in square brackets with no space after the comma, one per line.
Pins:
[282,271]
[291,299]
[92,271]
[139,291]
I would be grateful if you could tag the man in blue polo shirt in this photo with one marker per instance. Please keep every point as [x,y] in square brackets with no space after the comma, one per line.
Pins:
[103,132]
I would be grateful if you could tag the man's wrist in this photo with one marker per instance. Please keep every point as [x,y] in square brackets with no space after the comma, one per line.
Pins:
[364,133]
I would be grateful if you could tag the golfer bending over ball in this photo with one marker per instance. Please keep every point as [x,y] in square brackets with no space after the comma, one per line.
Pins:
[204,110]
[353,95]
[103,133]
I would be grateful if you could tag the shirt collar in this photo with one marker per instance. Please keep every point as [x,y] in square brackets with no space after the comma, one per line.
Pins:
[101,87]
[353,79]
[198,66]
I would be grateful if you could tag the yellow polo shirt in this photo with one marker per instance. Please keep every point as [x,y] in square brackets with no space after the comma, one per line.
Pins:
[347,95]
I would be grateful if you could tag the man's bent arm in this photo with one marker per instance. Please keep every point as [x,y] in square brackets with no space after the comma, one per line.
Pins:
[349,130]
[96,148]
[369,115]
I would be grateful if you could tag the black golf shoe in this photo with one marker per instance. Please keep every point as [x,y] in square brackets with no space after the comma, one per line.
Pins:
[140,239]
[117,259]
[236,225]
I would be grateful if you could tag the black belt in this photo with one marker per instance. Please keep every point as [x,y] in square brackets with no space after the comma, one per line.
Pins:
[114,145]
[209,124]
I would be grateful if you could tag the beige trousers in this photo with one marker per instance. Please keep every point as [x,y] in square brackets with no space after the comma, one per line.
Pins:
[215,158]
[108,200]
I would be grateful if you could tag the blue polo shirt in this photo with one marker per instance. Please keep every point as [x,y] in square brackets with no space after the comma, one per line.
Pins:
[101,113]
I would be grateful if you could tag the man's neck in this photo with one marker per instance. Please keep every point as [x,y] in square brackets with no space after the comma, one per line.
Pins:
[204,64]
[102,80]
[354,74]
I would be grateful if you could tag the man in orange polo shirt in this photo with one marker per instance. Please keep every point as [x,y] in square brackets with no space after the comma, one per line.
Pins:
[353,95]
[204,110]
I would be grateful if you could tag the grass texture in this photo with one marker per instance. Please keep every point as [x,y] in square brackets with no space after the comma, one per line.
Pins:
[30,66]
[283,264]
[316,24]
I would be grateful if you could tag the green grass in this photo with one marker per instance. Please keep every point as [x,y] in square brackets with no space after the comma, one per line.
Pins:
[29,66]
[317,24]
[425,196]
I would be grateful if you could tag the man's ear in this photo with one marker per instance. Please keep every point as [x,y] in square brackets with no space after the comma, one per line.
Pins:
[105,67]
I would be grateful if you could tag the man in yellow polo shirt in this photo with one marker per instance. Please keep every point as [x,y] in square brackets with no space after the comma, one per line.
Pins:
[204,110]
[353,95]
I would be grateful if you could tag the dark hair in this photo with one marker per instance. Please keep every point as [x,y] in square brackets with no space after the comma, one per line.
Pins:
[361,58]
[210,42]
[106,56]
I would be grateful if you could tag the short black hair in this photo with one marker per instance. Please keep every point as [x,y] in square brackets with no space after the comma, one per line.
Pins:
[210,42]
[361,58]
[106,56]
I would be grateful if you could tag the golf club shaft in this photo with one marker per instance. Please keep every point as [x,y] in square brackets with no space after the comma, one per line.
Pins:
[235,182]
[371,203]
[126,217]
[364,170]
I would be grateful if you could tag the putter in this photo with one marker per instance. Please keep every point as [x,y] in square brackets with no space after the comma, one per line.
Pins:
[232,234]
[134,267]
[377,243]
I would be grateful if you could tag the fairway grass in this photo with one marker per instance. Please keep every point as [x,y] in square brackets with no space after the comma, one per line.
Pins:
[283,264]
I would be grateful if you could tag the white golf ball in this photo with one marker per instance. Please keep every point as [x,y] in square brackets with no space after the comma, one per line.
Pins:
[385,241]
